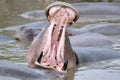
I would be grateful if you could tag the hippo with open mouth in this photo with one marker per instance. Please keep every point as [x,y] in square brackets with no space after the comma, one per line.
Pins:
[52,48]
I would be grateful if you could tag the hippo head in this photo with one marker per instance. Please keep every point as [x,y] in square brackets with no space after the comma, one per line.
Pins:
[54,50]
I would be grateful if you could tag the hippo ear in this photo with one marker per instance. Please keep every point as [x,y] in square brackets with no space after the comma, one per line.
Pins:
[40,57]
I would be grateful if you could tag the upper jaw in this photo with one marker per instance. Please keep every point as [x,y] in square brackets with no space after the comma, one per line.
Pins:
[62,4]
[52,53]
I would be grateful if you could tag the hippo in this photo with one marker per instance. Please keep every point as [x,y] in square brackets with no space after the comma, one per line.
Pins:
[108,29]
[91,39]
[25,34]
[53,49]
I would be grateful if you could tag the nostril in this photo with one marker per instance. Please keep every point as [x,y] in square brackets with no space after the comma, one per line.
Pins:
[65,64]
[40,57]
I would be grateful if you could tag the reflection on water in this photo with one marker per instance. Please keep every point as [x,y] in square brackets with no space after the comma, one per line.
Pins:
[9,11]
[12,52]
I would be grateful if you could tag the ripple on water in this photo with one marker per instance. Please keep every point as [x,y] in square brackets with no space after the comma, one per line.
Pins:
[103,70]
[12,52]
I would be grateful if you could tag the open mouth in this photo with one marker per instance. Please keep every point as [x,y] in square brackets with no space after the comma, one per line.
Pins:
[52,55]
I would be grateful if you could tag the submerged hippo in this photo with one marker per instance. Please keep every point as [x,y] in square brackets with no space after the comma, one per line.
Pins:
[91,39]
[27,34]
[108,29]
[53,49]
[85,39]
[101,8]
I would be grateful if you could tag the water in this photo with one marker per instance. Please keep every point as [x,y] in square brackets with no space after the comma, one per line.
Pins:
[12,51]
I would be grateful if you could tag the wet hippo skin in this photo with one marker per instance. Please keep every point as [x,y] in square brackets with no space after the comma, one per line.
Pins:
[108,29]
[91,39]
[97,8]
[92,54]
[8,69]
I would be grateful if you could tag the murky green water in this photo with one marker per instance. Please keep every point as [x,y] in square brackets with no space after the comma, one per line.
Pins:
[16,52]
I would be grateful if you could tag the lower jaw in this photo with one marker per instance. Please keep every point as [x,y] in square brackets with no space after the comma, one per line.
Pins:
[50,67]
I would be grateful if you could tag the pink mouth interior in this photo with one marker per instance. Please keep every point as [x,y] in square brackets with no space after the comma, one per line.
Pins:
[53,50]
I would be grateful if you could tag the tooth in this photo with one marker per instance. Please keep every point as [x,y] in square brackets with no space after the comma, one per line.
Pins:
[40,57]
[61,44]
[47,48]
[65,64]
[59,35]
